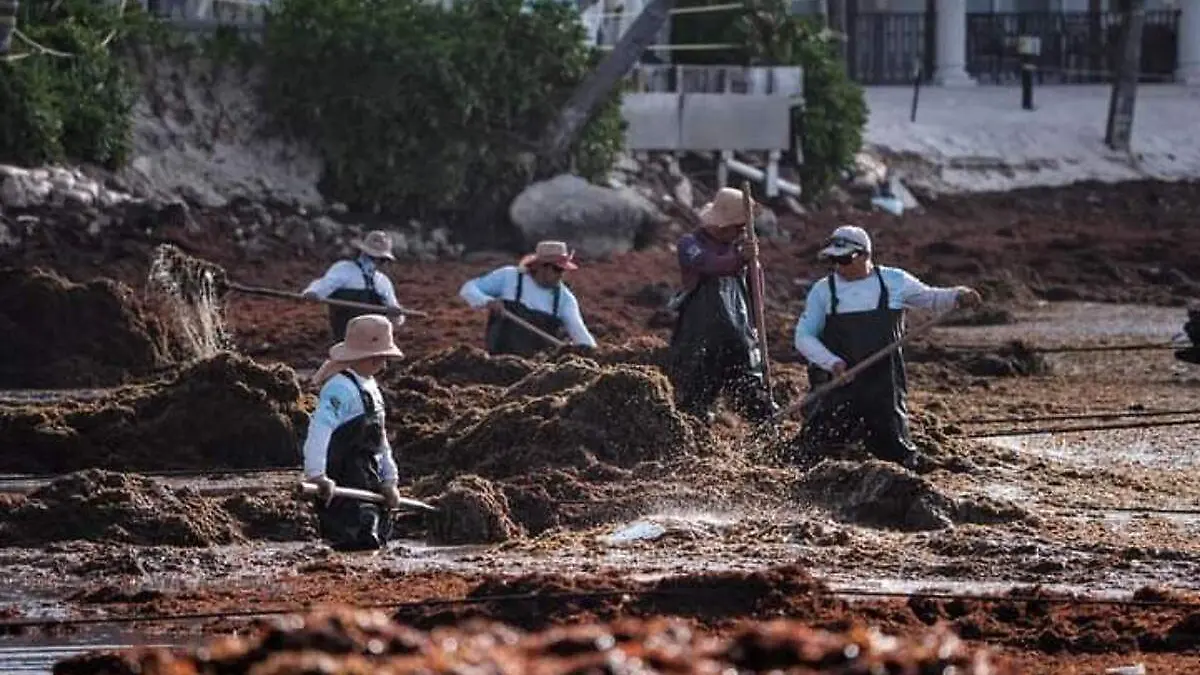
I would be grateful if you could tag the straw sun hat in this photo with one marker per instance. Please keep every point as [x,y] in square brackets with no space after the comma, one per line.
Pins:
[367,336]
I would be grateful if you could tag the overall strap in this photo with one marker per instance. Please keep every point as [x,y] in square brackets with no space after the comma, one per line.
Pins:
[833,298]
[557,295]
[883,291]
[520,285]
[368,277]
[367,401]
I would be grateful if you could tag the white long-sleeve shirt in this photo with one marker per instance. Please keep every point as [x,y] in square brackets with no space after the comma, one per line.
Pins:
[501,284]
[905,291]
[339,403]
[347,274]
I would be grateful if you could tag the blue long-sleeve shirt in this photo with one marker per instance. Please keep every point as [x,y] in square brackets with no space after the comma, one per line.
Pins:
[339,403]
[501,284]
[904,291]
[349,274]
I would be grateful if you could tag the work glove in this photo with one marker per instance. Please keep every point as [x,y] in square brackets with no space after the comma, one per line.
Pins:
[391,495]
[838,368]
[325,486]
[968,297]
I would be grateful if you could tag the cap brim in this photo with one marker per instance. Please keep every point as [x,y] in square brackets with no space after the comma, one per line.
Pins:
[835,251]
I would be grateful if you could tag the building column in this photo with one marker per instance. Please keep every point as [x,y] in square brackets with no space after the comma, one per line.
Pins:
[1189,43]
[951,57]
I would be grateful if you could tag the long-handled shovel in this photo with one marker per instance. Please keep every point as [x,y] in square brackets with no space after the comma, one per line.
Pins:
[193,277]
[311,490]
[757,290]
[850,373]
[509,316]
[272,293]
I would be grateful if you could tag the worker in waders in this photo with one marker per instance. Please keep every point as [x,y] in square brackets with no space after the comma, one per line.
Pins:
[1192,330]
[358,280]
[347,443]
[714,347]
[532,290]
[851,314]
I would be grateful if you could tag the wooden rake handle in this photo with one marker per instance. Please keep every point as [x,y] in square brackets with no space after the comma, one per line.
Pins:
[823,390]
[311,490]
[288,295]
[532,328]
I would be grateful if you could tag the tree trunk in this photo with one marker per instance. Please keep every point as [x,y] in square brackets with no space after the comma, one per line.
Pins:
[1119,130]
[592,92]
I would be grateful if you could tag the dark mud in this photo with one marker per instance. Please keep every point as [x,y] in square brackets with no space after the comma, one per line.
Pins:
[573,440]
[55,333]
[273,516]
[571,427]
[561,429]
[1049,625]
[472,510]
[1013,359]
[882,494]
[712,598]
[1026,618]
[342,642]
[117,508]
[470,365]
[223,412]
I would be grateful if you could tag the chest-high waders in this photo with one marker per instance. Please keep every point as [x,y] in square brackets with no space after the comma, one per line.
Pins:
[505,337]
[354,462]
[1192,330]
[340,316]
[714,350]
[874,404]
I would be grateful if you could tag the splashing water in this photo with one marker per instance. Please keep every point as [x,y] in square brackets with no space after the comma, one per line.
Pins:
[193,289]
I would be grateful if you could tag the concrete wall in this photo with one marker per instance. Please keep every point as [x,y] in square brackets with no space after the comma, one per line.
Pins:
[703,109]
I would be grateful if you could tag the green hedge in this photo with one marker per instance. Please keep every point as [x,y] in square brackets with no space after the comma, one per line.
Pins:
[427,111]
[70,108]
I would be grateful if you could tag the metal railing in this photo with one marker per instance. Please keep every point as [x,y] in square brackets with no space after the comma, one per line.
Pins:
[772,80]
[1077,47]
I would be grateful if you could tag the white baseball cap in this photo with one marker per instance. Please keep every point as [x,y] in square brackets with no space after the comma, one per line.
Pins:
[845,240]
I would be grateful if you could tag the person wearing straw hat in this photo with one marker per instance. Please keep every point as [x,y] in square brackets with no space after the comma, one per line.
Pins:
[854,312]
[532,290]
[714,346]
[347,443]
[358,280]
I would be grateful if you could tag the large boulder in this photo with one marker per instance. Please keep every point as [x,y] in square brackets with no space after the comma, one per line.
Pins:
[595,221]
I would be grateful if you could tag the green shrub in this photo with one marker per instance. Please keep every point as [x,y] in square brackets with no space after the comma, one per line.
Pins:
[830,124]
[76,107]
[428,111]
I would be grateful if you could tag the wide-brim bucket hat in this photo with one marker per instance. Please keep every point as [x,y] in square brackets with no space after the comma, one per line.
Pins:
[551,253]
[367,336]
[726,209]
[377,244]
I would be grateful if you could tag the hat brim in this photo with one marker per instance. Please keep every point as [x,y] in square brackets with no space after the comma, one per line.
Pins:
[836,251]
[709,218]
[374,253]
[343,353]
[564,264]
